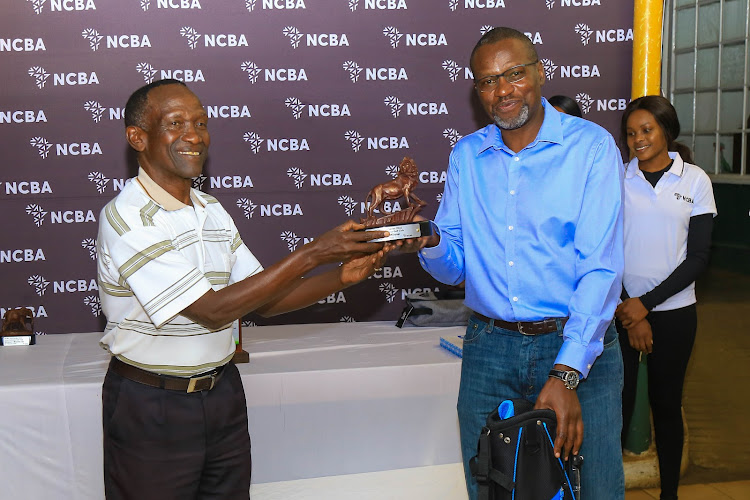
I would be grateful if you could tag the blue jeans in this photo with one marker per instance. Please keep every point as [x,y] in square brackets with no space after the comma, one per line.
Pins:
[500,364]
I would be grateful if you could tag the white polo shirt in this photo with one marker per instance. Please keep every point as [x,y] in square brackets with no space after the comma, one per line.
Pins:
[156,256]
[656,226]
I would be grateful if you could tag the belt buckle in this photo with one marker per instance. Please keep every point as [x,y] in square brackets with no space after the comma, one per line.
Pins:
[193,381]
[520,328]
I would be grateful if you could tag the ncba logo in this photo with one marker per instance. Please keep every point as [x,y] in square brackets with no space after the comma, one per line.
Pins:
[21,45]
[247,207]
[221,40]
[379,5]
[603,36]
[187,75]
[392,142]
[43,147]
[284,144]
[316,110]
[131,41]
[60,216]
[348,203]
[276,4]
[452,135]
[315,39]
[99,180]
[27,187]
[27,116]
[414,39]
[292,240]
[535,36]
[75,285]
[389,291]
[228,111]
[224,182]
[570,71]
[574,3]
[586,102]
[297,175]
[387,272]
[334,298]
[477,4]
[71,5]
[273,74]
[78,78]
[380,74]
[172,4]
[394,104]
[22,255]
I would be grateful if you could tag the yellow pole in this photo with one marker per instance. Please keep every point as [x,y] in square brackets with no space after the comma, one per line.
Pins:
[647,28]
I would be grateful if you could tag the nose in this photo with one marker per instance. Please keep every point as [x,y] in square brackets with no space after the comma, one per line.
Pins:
[191,135]
[503,87]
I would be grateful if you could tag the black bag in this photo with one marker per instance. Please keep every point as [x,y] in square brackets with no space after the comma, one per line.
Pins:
[428,308]
[515,457]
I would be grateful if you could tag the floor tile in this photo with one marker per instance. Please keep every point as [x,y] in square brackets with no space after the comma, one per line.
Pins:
[638,495]
[736,490]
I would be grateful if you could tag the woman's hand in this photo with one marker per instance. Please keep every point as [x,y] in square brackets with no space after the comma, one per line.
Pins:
[640,336]
[631,311]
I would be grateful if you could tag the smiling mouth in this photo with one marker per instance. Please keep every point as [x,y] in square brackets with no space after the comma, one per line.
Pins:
[190,153]
[639,149]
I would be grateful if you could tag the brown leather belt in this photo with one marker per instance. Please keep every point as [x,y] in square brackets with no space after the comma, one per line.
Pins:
[548,325]
[202,382]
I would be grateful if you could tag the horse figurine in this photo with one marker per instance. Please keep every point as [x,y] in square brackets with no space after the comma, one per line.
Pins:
[403,185]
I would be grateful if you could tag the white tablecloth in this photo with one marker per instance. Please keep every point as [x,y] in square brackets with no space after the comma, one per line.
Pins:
[323,400]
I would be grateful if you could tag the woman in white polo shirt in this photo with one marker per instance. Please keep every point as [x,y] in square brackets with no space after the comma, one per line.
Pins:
[668,214]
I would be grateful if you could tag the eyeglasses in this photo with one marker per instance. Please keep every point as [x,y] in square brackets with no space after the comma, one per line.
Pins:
[511,75]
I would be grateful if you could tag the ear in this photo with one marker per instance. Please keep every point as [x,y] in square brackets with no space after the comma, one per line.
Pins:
[540,71]
[136,137]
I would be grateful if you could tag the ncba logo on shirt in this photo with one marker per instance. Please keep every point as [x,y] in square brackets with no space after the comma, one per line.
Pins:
[377,74]
[221,40]
[273,74]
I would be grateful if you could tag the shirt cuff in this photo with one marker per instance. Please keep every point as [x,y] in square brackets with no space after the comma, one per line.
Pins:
[576,356]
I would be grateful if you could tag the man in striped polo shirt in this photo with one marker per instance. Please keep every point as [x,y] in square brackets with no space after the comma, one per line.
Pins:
[173,275]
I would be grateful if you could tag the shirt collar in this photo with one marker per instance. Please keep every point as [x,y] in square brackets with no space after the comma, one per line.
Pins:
[550,131]
[677,168]
[161,196]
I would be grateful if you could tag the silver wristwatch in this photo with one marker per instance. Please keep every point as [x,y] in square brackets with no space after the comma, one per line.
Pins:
[569,378]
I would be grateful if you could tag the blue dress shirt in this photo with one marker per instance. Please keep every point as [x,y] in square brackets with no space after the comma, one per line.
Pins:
[538,233]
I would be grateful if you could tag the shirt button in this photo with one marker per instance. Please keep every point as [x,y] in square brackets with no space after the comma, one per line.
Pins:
[510,263]
[512,191]
[516,158]
[515,299]
[510,228]
[589,366]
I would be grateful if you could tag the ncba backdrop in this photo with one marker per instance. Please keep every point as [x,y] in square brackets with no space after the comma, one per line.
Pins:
[311,103]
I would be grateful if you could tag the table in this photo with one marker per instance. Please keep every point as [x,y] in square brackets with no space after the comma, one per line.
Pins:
[331,407]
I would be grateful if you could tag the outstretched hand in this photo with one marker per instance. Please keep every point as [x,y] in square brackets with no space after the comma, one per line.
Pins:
[345,242]
[360,268]
[411,245]
[555,396]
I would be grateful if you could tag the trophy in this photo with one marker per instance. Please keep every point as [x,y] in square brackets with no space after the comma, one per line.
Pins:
[18,327]
[399,224]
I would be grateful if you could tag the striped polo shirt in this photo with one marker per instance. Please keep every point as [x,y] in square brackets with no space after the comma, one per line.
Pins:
[156,256]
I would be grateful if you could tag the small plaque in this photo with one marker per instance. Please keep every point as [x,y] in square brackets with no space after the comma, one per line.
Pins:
[399,224]
[18,327]
[404,231]
[16,340]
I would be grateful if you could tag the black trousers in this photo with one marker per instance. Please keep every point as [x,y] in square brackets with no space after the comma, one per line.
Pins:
[163,444]
[674,336]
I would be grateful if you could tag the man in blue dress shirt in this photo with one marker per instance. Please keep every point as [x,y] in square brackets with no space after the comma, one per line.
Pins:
[531,219]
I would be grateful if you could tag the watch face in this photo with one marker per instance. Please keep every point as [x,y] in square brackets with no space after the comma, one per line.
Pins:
[571,380]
